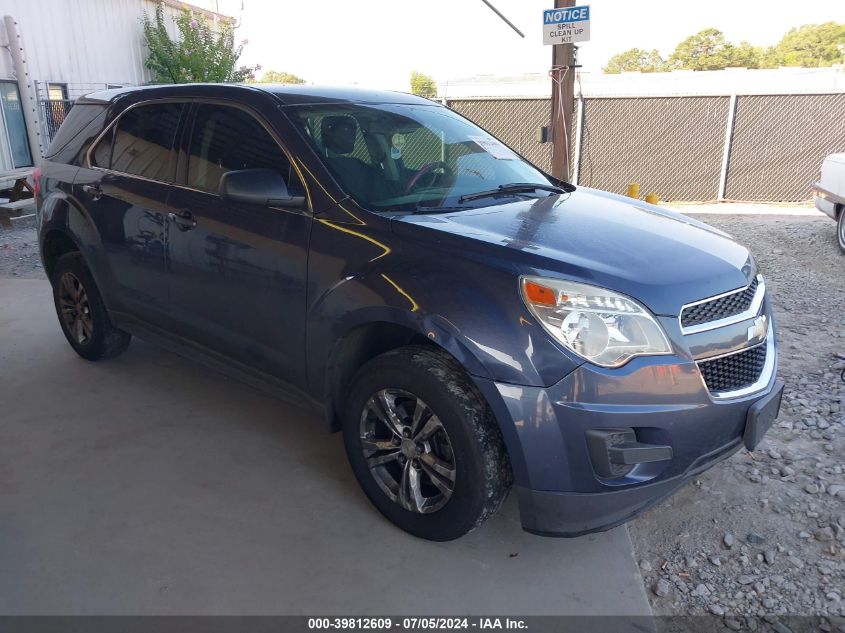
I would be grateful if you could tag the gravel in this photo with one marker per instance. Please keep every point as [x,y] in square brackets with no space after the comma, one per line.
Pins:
[19,250]
[662,588]
[767,529]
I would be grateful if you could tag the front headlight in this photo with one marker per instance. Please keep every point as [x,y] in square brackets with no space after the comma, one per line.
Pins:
[602,326]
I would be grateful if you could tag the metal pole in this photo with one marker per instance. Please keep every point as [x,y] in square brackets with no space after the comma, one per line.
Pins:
[563,95]
[29,105]
[726,151]
[579,133]
[508,22]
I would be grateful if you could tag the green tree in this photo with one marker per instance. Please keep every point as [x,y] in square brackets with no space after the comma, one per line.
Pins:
[423,85]
[635,59]
[279,77]
[200,53]
[810,46]
[709,50]
[744,55]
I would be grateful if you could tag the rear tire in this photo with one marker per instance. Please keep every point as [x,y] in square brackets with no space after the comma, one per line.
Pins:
[82,314]
[840,228]
[423,443]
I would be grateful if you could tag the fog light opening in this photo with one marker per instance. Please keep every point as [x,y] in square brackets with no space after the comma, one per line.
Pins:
[616,452]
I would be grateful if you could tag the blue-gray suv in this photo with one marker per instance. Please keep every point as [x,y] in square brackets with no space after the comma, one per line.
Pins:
[469,322]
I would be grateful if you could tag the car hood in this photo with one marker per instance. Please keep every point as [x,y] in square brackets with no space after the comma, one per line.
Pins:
[660,257]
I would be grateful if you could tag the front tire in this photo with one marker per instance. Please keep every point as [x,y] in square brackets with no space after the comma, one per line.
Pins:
[424,445]
[82,314]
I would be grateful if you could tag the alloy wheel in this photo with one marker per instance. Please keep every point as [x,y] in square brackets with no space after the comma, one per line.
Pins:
[408,451]
[75,308]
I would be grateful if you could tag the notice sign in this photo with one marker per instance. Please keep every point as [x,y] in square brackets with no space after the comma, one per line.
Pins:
[567,25]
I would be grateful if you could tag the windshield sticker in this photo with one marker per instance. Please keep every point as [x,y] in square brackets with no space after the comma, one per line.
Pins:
[494,147]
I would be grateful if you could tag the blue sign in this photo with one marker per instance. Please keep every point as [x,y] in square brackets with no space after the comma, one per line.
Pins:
[566,15]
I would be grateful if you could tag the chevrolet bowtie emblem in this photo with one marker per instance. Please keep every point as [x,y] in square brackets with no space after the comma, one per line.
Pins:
[759,329]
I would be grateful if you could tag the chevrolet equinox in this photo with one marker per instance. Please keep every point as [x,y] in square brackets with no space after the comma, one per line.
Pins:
[468,322]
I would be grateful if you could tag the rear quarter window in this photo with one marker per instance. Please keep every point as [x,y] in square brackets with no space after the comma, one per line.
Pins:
[82,121]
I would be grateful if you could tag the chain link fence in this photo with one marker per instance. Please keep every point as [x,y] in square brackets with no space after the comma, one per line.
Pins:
[670,147]
[53,114]
[779,142]
[764,148]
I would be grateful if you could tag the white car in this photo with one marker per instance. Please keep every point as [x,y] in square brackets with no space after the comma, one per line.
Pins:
[829,193]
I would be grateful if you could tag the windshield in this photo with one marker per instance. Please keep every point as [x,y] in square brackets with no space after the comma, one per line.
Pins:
[399,157]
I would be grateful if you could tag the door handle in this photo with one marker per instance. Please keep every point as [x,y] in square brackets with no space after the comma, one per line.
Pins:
[183,219]
[94,191]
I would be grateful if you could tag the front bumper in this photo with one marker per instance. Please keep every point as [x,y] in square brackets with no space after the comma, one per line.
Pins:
[665,402]
[574,514]
[826,201]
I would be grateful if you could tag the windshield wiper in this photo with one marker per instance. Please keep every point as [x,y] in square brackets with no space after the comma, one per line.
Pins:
[422,210]
[514,187]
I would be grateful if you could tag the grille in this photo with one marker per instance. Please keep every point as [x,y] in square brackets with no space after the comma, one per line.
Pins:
[735,371]
[721,308]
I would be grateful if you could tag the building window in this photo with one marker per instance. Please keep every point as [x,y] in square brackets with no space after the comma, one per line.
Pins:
[57,92]
[13,121]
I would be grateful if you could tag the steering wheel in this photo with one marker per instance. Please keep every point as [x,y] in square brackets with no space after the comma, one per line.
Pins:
[424,171]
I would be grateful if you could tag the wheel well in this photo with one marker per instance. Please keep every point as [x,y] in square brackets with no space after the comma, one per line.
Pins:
[56,244]
[360,345]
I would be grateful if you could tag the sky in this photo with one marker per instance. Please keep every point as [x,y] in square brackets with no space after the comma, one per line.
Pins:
[377,43]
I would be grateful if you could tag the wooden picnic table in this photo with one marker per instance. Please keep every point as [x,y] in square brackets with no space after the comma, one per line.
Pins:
[18,203]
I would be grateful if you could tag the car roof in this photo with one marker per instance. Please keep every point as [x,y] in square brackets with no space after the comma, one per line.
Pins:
[296,94]
[288,94]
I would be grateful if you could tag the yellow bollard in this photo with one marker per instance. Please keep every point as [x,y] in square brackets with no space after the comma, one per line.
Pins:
[652,198]
[633,190]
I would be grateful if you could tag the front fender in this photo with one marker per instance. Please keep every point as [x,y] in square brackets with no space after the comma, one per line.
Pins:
[337,315]
[465,302]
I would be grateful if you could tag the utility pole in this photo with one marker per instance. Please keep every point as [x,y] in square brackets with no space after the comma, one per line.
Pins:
[563,102]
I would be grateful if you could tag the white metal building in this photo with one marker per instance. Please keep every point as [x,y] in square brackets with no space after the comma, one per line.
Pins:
[64,49]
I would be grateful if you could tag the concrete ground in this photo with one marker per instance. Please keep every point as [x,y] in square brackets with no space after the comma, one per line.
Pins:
[150,485]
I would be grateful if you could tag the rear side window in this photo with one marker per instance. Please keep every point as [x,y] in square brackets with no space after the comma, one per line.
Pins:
[141,143]
[227,139]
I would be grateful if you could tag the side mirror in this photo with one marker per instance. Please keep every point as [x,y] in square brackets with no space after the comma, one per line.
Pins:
[262,187]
